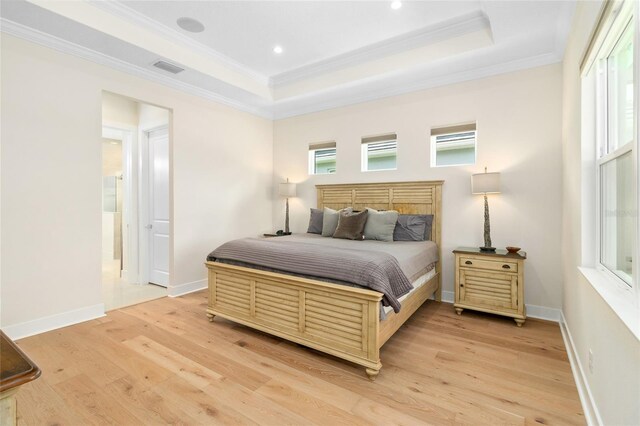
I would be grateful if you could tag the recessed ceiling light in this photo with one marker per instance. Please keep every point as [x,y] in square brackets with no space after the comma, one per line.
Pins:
[395,5]
[190,24]
[277,50]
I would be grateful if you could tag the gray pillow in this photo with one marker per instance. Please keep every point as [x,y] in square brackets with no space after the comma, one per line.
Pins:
[315,222]
[330,220]
[413,227]
[351,225]
[380,225]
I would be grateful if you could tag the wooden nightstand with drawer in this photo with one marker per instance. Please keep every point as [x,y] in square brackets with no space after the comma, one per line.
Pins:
[490,282]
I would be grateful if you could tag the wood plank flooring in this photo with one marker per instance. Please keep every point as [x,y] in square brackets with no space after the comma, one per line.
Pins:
[162,362]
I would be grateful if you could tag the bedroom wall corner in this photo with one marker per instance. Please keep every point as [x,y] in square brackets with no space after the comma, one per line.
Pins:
[518,118]
[51,178]
[610,391]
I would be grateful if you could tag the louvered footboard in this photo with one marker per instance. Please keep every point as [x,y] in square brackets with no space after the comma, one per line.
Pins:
[338,320]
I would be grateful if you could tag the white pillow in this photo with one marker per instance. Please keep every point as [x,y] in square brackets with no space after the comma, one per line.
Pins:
[380,225]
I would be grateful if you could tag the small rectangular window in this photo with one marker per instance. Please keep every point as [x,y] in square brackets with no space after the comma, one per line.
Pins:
[379,152]
[453,145]
[322,158]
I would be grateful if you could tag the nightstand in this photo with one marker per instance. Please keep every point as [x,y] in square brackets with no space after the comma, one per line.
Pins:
[490,282]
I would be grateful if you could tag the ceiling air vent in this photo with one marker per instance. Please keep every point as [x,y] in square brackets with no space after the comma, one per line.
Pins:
[166,66]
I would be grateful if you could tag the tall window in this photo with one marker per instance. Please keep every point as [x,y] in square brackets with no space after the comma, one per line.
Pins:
[615,162]
[608,83]
[379,152]
[322,158]
[453,145]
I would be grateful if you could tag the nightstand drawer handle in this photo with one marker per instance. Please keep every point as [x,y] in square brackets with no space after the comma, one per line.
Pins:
[461,285]
[468,262]
[506,267]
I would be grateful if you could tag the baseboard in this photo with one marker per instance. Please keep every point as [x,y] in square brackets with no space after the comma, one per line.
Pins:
[448,296]
[542,312]
[533,311]
[591,413]
[44,324]
[182,289]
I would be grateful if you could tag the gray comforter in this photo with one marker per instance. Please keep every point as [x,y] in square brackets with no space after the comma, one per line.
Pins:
[376,270]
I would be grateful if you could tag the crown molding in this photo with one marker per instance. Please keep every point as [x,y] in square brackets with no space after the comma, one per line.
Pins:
[121,10]
[457,26]
[339,97]
[413,83]
[450,28]
[44,39]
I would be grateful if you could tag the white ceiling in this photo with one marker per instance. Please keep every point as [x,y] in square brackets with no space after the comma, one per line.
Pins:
[335,52]
[308,31]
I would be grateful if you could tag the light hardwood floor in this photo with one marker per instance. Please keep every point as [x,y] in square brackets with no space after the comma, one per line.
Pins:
[162,362]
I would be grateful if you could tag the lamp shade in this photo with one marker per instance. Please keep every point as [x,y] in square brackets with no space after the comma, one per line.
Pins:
[288,189]
[485,183]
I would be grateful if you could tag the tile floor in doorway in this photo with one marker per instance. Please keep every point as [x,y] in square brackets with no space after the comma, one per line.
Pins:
[117,294]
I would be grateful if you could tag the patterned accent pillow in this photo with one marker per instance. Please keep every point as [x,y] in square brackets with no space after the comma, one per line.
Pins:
[315,222]
[413,227]
[351,225]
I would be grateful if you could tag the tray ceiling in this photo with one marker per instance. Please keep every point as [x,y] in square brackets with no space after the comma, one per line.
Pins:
[334,53]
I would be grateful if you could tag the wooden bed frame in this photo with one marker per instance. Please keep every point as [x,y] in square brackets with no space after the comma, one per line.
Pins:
[335,319]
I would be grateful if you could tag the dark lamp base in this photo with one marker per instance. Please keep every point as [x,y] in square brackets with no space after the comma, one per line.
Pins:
[487,248]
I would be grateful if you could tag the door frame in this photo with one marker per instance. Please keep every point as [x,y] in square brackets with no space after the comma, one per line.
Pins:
[144,188]
[127,134]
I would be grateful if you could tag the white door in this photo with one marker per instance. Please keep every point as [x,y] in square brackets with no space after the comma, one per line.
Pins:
[159,207]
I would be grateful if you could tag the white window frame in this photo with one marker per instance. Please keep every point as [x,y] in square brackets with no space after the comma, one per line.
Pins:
[619,282]
[618,27]
[624,299]
[312,158]
[433,147]
[364,155]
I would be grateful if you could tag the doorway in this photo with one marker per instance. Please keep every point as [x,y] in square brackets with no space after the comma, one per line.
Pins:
[112,205]
[158,227]
[136,211]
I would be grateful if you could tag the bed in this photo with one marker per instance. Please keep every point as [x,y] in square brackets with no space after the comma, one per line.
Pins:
[339,320]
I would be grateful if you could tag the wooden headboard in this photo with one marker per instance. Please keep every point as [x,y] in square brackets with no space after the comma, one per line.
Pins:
[424,197]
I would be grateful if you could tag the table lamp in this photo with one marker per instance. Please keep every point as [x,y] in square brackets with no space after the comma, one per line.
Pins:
[486,183]
[287,189]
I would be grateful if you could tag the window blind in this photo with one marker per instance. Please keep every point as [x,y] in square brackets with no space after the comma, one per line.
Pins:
[381,147]
[457,137]
[325,153]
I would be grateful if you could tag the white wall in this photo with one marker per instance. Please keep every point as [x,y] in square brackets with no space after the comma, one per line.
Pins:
[119,110]
[518,116]
[615,381]
[222,185]
[150,116]
[51,178]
